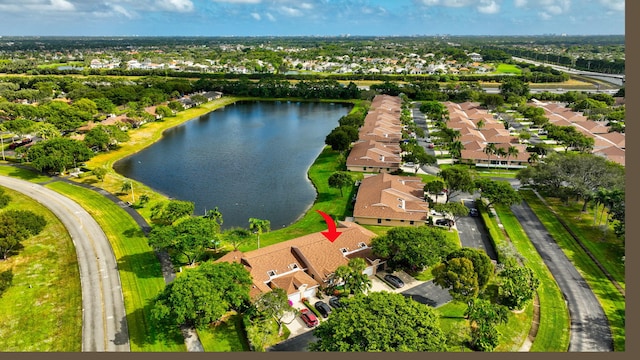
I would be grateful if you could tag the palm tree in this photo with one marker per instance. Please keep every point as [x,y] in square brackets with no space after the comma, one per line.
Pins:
[126,186]
[480,124]
[490,149]
[500,152]
[258,226]
[512,151]
[534,157]
[455,148]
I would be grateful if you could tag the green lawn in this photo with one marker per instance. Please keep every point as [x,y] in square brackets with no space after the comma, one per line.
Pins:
[139,269]
[228,336]
[610,298]
[605,247]
[23,174]
[553,330]
[508,69]
[42,310]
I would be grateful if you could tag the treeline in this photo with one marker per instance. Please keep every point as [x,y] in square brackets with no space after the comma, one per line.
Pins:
[607,66]
[536,75]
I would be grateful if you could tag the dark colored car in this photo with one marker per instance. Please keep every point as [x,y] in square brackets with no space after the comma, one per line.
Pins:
[394,280]
[322,308]
[473,212]
[444,222]
[308,317]
[335,302]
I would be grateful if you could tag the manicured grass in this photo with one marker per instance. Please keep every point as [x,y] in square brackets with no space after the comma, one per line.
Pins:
[139,269]
[553,330]
[42,310]
[605,247]
[228,336]
[612,302]
[23,174]
[508,69]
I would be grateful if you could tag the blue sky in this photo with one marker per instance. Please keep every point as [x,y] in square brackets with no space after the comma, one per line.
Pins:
[310,17]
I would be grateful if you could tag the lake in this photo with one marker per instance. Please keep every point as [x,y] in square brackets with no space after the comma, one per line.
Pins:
[249,159]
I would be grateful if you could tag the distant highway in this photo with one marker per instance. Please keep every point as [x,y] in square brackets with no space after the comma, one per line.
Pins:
[616,79]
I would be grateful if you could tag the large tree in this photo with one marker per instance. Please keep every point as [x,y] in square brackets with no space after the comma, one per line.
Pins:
[275,305]
[203,295]
[482,265]
[483,317]
[458,179]
[166,213]
[459,277]
[413,248]
[339,180]
[17,226]
[380,321]
[351,277]
[189,237]
[434,187]
[58,154]
[498,192]
[518,285]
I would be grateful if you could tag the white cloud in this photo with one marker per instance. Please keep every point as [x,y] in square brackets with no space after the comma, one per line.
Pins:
[239,1]
[119,9]
[544,15]
[520,3]
[176,5]
[62,5]
[270,17]
[483,6]
[306,6]
[287,10]
[617,5]
[488,7]
[256,16]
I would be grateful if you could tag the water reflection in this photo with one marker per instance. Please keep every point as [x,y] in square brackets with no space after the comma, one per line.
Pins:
[248,159]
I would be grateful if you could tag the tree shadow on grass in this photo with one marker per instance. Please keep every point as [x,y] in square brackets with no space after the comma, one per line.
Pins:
[144,265]
[149,335]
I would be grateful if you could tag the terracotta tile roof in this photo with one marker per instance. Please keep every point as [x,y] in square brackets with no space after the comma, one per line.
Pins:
[612,153]
[387,196]
[594,127]
[374,153]
[271,266]
[616,138]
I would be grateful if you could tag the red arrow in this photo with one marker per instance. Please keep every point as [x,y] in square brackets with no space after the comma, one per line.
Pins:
[332,234]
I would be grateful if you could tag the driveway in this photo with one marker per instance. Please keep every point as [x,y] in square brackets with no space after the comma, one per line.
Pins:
[473,234]
[104,322]
[589,326]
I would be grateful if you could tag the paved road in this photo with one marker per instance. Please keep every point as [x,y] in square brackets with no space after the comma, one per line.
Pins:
[473,234]
[104,322]
[589,326]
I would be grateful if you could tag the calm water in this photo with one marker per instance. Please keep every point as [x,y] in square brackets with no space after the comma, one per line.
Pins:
[248,159]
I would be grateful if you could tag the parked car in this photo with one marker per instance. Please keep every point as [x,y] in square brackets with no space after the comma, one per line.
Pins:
[473,212]
[445,222]
[322,308]
[334,301]
[308,317]
[394,280]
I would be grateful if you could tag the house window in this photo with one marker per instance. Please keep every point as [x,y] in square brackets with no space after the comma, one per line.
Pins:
[410,222]
[401,220]
[379,221]
[271,273]
[387,220]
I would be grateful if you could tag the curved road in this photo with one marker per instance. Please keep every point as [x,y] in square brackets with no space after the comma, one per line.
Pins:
[589,325]
[104,322]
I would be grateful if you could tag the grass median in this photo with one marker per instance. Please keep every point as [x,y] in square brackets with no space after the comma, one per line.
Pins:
[612,302]
[553,329]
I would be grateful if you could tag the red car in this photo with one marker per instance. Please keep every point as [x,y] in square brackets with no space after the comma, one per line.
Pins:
[308,317]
